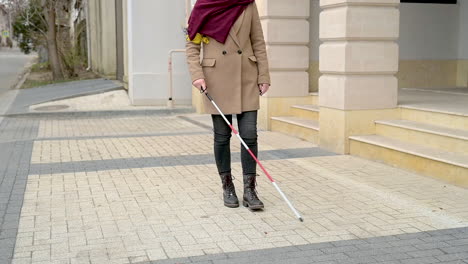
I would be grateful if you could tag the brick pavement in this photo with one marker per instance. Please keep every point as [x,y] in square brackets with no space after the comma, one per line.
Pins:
[135,189]
[15,155]
[441,246]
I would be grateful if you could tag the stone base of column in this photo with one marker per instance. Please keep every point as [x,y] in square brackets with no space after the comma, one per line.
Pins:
[279,106]
[197,101]
[336,126]
[462,73]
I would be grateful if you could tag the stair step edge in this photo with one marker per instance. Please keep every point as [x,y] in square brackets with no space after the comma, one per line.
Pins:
[311,124]
[312,108]
[427,128]
[414,149]
[427,109]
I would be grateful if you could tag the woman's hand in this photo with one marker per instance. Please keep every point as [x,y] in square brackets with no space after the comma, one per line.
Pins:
[263,87]
[200,83]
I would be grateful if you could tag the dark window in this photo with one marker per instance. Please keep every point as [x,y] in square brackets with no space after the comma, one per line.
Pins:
[430,1]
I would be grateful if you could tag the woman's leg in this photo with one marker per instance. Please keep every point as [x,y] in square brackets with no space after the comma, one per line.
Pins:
[247,122]
[222,151]
[222,147]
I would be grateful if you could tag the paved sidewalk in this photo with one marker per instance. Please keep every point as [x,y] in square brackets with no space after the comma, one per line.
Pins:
[37,95]
[144,189]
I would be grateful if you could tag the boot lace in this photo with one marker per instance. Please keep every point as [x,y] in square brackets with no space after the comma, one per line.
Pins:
[230,186]
[253,191]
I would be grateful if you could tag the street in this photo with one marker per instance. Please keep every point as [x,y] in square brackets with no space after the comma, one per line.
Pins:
[12,62]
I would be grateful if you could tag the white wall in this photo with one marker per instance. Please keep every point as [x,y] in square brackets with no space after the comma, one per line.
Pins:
[463,30]
[156,27]
[429,31]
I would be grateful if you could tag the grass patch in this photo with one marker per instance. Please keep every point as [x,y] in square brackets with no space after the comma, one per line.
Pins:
[40,67]
[41,75]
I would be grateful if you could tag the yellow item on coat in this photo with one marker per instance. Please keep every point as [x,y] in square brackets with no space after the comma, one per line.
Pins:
[199,38]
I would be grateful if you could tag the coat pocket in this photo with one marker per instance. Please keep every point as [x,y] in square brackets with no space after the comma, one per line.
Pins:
[208,62]
[253,58]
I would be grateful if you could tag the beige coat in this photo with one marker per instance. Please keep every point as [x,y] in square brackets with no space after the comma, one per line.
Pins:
[232,71]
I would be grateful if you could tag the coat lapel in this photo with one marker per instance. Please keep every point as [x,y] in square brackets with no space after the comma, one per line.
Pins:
[236,27]
[239,22]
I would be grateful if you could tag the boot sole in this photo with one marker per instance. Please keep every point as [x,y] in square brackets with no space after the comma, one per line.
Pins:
[231,205]
[252,208]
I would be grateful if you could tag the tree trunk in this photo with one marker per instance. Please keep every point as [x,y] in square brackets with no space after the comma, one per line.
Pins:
[52,42]
[71,22]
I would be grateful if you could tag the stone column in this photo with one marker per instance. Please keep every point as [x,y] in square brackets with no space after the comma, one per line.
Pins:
[358,62]
[286,30]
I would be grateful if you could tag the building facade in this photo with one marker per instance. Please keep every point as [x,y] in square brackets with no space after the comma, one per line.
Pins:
[337,67]
[101,28]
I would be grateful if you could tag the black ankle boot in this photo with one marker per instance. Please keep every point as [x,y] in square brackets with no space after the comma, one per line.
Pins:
[229,194]
[250,199]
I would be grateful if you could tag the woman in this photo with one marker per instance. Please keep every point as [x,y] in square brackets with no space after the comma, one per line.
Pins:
[234,70]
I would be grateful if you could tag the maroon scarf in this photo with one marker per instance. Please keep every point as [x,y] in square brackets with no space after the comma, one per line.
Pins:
[215,18]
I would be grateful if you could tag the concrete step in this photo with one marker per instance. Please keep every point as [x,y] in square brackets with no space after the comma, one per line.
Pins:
[297,127]
[281,106]
[456,120]
[310,112]
[438,137]
[448,166]
[314,98]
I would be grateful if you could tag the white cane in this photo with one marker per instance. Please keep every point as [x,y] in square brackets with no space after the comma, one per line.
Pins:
[298,216]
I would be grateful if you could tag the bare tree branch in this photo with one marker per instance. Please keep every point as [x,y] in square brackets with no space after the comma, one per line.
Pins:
[40,14]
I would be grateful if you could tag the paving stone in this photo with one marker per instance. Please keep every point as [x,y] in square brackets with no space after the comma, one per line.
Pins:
[338,249]
[424,260]
[453,257]
[304,253]
[426,253]
[173,261]
[204,262]
[407,242]
[432,245]
[208,257]
[458,242]
[392,257]
[455,249]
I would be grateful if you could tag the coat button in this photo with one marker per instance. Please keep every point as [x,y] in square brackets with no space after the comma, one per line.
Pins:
[224,52]
[239,51]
